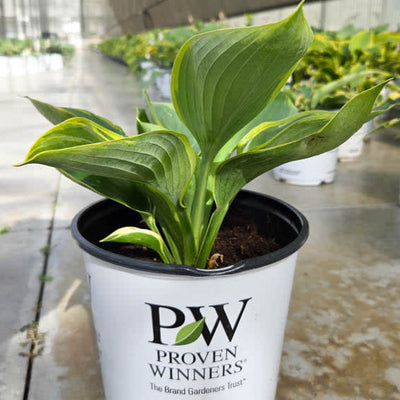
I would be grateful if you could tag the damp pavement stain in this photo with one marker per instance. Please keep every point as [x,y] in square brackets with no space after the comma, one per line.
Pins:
[343,332]
[69,360]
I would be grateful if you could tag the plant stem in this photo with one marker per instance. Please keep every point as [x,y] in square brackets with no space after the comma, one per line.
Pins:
[189,250]
[166,255]
[210,236]
[200,198]
[172,246]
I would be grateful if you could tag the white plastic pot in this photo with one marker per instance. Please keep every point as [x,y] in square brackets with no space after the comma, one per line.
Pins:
[3,66]
[52,62]
[27,65]
[310,171]
[33,65]
[158,78]
[139,307]
[163,84]
[352,148]
[17,66]
[56,62]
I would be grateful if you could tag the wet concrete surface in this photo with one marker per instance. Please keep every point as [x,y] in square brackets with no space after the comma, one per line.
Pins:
[343,335]
[342,340]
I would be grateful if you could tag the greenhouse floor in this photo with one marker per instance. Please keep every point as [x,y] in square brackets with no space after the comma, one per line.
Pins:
[343,333]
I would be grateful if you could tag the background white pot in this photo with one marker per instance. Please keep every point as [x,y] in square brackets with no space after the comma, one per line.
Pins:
[33,65]
[163,84]
[140,307]
[27,65]
[310,171]
[16,66]
[52,62]
[353,147]
[159,80]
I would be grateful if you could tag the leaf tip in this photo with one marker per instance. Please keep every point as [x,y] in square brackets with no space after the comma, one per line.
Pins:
[301,4]
[21,164]
[106,239]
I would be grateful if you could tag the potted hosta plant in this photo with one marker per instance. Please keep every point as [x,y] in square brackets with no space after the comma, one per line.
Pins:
[340,64]
[188,325]
[309,95]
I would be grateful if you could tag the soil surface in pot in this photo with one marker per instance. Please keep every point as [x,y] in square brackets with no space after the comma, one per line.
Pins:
[237,240]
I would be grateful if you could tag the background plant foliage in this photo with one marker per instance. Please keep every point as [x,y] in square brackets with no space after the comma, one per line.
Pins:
[339,64]
[159,46]
[25,47]
[182,171]
[333,55]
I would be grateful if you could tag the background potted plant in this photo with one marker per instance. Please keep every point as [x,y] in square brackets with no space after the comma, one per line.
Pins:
[26,56]
[340,64]
[309,95]
[183,326]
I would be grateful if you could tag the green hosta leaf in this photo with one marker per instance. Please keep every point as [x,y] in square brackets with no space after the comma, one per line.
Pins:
[395,122]
[143,237]
[385,37]
[57,115]
[382,109]
[143,127]
[163,160]
[222,80]
[148,173]
[71,133]
[353,79]
[305,138]
[380,28]
[141,118]
[361,41]
[288,129]
[190,333]
[264,133]
[346,32]
[80,132]
[150,203]
[165,116]
[280,107]
[130,194]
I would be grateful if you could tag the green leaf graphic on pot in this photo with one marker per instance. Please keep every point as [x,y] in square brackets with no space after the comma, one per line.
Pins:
[190,333]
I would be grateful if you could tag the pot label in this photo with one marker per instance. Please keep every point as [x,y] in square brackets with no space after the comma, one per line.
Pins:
[179,362]
[166,338]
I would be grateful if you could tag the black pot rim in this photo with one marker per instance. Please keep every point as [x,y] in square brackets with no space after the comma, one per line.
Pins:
[297,220]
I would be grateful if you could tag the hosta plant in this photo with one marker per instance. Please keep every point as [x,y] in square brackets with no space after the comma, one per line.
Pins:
[333,56]
[310,95]
[190,158]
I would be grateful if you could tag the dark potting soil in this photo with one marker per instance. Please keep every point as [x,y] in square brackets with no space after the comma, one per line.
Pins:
[237,240]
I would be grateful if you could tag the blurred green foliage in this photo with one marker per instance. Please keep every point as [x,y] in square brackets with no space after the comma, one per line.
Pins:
[24,47]
[340,64]
[337,65]
[159,46]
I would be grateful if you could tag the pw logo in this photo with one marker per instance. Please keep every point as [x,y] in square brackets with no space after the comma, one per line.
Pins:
[191,332]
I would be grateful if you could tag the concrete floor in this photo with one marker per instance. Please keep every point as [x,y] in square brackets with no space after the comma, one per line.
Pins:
[343,333]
